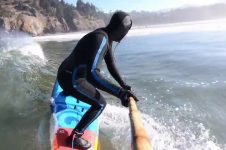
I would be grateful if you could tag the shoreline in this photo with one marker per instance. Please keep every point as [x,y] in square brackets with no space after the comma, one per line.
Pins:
[179,27]
[70,36]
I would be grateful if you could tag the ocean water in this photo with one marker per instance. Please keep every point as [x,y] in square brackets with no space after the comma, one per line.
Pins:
[179,77]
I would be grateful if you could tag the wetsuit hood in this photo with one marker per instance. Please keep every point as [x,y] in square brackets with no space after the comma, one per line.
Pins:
[119,26]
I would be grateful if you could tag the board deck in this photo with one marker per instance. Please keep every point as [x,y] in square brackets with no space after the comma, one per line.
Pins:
[67,112]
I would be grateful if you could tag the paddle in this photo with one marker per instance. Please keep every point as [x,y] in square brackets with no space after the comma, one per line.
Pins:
[140,139]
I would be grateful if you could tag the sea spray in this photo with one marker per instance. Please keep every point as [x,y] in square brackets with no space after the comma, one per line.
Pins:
[116,127]
[21,64]
[174,137]
[21,59]
[172,134]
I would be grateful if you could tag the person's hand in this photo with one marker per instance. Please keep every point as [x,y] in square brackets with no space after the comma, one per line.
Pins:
[127,87]
[124,97]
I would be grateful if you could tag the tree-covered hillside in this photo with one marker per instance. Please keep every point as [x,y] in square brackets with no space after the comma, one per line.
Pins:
[49,16]
[38,17]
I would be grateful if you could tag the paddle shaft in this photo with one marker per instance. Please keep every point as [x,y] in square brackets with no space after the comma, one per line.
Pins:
[140,139]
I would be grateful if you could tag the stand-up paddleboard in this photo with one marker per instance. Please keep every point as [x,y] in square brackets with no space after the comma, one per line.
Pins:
[67,112]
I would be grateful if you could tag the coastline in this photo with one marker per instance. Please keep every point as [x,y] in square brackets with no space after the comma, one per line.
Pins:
[180,27]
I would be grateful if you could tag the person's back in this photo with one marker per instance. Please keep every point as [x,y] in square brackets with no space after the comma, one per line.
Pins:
[84,52]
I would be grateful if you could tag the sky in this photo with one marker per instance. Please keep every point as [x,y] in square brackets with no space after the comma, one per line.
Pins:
[146,5]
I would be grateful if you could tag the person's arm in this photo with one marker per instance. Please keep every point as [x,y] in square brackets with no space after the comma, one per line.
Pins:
[100,82]
[110,62]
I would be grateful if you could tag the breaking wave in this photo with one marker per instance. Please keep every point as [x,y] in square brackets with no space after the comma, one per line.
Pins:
[21,59]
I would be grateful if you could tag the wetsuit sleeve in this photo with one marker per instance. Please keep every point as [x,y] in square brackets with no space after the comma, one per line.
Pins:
[110,62]
[101,82]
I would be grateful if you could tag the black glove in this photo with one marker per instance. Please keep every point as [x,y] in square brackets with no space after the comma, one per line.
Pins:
[126,87]
[124,97]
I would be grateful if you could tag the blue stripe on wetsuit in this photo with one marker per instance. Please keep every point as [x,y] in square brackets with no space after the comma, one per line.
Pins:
[94,67]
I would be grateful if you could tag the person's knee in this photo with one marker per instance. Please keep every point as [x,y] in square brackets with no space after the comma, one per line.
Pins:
[101,104]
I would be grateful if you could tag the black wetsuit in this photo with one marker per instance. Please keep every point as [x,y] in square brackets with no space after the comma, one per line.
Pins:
[79,74]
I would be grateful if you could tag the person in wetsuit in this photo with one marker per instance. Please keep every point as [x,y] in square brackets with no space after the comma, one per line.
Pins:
[79,74]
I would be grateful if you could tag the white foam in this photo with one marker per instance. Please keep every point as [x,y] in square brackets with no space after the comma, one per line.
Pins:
[18,41]
[174,136]
[32,49]
[61,37]
[115,124]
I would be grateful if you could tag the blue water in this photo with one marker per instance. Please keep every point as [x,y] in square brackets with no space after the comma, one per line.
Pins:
[180,79]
